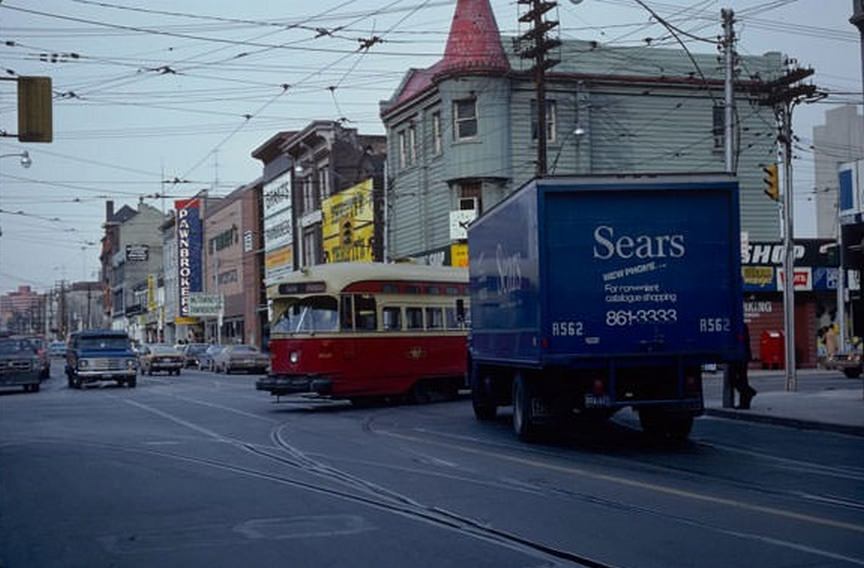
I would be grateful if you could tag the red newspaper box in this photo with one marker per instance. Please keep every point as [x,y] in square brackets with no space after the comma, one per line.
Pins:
[772,349]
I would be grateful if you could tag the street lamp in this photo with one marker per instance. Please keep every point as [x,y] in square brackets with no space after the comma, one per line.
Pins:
[26,161]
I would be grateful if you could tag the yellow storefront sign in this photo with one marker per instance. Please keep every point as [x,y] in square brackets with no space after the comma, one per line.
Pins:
[459,255]
[758,275]
[348,225]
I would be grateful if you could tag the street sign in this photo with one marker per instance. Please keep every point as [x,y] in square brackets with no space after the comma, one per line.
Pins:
[205,305]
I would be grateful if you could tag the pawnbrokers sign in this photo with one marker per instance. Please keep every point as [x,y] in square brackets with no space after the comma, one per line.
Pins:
[190,235]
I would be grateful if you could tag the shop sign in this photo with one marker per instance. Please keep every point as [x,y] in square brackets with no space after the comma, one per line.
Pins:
[808,252]
[802,282]
[459,254]
[278,263]
[137,253]
[758,278]
[348,224]
[751,308]
[190,236]
[205,305]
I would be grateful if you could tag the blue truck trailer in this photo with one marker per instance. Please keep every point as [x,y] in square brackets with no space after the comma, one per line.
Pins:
[591,294]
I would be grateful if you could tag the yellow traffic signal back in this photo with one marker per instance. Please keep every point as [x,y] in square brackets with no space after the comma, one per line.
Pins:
[772,183]
[34,109]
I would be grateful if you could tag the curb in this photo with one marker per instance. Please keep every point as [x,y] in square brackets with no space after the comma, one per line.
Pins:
[788,422]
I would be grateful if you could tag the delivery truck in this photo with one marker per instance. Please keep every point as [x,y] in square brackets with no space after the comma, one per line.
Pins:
[592,294]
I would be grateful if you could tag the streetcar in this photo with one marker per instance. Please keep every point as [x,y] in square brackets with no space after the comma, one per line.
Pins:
[369,332]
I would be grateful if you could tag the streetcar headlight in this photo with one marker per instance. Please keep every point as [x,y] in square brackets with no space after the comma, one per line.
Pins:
[294,357]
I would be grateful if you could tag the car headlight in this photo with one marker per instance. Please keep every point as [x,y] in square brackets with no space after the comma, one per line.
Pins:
[294,357]
[130,363]
[83,363]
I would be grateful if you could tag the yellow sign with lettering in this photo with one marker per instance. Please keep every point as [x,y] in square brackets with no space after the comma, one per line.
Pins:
[348,224]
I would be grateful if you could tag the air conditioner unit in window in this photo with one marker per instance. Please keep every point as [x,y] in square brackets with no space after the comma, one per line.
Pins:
[468,204]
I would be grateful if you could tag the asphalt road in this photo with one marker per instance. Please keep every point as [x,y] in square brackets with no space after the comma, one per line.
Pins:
[202,470]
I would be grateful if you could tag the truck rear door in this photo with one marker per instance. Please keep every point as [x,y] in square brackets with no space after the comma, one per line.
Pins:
[633,270]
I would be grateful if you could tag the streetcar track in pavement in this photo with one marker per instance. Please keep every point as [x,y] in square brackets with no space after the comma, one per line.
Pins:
[433,516]
[567,453]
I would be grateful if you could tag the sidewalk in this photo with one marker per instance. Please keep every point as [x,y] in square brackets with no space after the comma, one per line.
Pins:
[832,408]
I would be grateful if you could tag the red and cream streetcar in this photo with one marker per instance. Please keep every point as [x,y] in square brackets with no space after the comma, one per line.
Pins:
[366,331]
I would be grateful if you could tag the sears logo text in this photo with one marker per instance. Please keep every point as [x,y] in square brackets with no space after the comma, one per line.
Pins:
[607,245]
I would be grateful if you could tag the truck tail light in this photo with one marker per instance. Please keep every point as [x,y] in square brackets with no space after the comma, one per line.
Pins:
[599,387]
[692,383]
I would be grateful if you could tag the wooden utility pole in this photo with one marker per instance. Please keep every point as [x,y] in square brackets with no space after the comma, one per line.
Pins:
[783,94]
[538,49]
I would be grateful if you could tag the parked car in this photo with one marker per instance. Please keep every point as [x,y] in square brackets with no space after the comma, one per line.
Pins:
[19,364]
[101,355]
[156,357]
[192,353]
[41,349]
[205,359]
[57,349]
[241,358]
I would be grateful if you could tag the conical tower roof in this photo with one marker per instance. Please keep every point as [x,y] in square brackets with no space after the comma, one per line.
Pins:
[474,43]
[473,48]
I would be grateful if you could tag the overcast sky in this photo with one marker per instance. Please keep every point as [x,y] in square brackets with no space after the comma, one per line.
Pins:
[157,90]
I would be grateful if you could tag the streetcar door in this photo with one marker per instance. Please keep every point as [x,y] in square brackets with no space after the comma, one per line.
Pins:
[346,326]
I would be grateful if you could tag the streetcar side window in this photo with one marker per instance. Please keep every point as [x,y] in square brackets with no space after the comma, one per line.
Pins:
[346,313]
[392,318]
[414,318]
[451,318]
[434,318]
[365,313]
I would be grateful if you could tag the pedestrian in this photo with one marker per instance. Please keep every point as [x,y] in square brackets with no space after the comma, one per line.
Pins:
[740,381]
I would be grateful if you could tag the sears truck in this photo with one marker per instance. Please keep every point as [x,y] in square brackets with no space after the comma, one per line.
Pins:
[590,294]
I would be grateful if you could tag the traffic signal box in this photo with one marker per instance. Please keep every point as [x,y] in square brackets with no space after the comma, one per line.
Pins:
[35,121]
[772,183]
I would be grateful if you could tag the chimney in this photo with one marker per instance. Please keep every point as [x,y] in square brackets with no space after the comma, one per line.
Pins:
[109,210]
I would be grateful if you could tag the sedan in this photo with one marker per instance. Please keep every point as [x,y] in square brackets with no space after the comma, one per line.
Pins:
[241,358]
[205,359]
[153,358]
[192,353]
[19,364]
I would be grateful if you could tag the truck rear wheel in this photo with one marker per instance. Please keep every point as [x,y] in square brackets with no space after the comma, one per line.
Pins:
[523,413]
[662,425]
[482,399]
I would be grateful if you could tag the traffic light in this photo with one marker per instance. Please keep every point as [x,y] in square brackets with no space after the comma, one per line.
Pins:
[34,109]
[772,185]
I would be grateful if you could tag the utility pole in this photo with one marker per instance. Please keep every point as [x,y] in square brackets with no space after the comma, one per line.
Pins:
[539,47]
[728,117]
[783,94]
[728,92]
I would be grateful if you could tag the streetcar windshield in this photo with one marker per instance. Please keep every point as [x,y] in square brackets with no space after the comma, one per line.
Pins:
[306,315]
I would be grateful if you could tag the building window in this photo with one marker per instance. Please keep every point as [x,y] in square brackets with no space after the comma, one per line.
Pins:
[471,196]
[412,145]
[719,127]
[551,120]
[311,245]
[465,119]
[311,200]
[403,149]
[323,183]
[437,141]
[408,147]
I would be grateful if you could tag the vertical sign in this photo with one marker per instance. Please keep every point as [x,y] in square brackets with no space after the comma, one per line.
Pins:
[190,236]
[278,227]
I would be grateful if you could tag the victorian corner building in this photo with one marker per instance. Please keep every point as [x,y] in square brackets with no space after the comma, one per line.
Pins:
[462,135]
